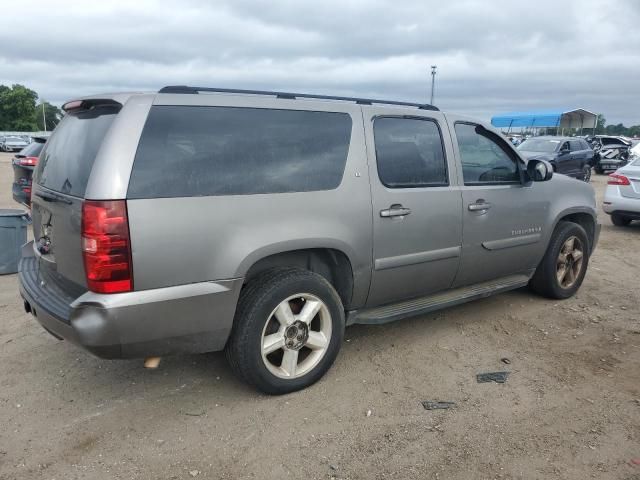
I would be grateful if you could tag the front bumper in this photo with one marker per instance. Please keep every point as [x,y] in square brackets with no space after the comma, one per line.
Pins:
[191,318]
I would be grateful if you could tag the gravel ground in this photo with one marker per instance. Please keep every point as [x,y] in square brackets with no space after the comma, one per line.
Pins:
[570,408]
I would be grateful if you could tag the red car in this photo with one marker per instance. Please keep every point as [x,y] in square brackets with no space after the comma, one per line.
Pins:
[23,164]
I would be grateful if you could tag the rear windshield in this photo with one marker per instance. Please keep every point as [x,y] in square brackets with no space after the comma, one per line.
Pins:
[32,150]
[67,161]
[200,151]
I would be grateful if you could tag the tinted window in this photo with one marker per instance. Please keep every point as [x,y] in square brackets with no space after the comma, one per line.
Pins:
[575,145]
[32,150]
[199,151]
[409,153]
[66,163]
[484,157]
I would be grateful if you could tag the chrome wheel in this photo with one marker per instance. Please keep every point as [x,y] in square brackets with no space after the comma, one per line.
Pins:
[296,336]
[569,264]
[586,173]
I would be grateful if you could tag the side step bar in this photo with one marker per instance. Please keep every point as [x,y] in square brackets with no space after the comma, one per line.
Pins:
[437,301]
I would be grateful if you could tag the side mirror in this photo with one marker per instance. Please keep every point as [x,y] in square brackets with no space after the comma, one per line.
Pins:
[539,170]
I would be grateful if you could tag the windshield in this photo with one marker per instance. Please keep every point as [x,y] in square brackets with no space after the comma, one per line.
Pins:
[14,139]
[539,145]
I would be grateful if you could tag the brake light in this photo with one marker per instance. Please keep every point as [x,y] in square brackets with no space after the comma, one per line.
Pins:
[27,161]
[617,179]
[106,246]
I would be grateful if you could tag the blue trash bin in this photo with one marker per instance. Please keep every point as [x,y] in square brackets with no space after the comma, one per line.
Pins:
[13,234]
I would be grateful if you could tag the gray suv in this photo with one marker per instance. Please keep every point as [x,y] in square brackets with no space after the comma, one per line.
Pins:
[263,223]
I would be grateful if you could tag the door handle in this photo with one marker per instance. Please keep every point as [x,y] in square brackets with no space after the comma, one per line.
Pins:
[479,206]
[395,210]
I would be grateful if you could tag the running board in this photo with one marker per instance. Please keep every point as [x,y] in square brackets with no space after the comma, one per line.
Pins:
[449,298]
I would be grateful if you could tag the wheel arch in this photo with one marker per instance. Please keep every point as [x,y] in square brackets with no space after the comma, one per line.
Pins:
[585,218]
[330,262]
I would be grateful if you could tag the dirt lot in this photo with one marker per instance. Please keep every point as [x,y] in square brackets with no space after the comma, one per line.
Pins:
[569,410]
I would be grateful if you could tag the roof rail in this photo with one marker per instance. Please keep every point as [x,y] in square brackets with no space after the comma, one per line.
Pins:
[291,96]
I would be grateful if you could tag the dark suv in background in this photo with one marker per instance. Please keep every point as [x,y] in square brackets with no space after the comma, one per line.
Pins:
[568,155]
[23,164]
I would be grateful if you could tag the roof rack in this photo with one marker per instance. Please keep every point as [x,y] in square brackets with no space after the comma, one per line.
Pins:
[291,96]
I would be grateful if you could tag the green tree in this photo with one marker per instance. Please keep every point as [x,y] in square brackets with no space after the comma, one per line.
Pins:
[52,114]
[17,108]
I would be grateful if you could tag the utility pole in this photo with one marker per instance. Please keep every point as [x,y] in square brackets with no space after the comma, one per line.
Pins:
[433,80]
[44,118]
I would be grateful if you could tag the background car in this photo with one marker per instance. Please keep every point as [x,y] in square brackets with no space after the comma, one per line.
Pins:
[13,144]
[570,156]
[23,164]
[610,152]
[622,197]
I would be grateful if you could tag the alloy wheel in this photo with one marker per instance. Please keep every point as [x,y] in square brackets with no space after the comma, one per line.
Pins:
[296,336]
[569,263]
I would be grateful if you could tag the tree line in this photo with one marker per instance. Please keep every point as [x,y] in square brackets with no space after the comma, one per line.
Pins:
[22,111]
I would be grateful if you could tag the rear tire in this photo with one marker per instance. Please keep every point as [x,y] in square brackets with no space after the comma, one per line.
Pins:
[564,264]
[598,170]
[620,220]
[287,331]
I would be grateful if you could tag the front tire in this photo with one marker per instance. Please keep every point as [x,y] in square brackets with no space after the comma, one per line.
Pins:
[288,329]
[620,220]
[564,264]
[586,173]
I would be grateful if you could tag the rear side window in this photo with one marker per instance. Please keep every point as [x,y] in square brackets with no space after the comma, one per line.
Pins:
[485,157]
[66,162]
[576,145]
[409,153]
[190,151]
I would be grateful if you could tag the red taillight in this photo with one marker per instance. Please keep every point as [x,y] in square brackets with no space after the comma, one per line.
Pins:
[106,246]
[617,179]
[28,161]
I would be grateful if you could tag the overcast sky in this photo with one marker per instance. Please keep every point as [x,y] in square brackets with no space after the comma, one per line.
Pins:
[492,56]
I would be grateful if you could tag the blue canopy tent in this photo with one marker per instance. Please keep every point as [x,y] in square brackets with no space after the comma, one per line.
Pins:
[578,118]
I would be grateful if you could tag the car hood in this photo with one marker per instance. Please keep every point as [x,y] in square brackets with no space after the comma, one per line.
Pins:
[537,155]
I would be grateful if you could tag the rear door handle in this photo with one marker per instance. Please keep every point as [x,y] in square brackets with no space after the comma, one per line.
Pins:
[395,210]
[479,206]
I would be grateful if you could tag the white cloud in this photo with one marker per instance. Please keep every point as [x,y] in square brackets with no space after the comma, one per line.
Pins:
[492,56]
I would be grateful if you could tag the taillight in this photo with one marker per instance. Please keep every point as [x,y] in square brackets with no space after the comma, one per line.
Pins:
[617,179]
[106,246]
[27,161]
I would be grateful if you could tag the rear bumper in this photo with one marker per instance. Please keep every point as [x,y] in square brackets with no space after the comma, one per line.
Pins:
[615,202]
[191,318]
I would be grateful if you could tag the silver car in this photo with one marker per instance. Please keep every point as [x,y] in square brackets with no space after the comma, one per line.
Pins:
[13,144]
[263,223]
[622,197]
